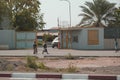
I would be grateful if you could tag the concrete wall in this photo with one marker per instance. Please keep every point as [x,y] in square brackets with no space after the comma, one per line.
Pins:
[110,44]
[7,37]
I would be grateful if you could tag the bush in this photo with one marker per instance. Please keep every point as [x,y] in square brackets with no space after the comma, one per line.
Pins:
[31,62]
[69,56]
[10,67]
[42,66]
[71,68]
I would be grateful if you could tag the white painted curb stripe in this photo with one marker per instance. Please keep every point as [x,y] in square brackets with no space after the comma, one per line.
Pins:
[75,76]
[118,77]
[23,75]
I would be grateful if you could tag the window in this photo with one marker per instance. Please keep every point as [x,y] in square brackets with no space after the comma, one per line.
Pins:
[75,39]
[93,37]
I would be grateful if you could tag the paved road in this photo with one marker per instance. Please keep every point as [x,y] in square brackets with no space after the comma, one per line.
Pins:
[53,52]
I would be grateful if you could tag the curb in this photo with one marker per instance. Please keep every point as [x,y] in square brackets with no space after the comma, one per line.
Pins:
[61,76]
[30,75]
[104,77]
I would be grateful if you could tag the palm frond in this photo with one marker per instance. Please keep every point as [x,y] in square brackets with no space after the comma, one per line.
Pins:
[86,20]
[99,9]
[87,11]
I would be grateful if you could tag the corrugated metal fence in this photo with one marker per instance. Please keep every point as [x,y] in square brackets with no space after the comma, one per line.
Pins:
[7,39]
[25,39]
[10,39]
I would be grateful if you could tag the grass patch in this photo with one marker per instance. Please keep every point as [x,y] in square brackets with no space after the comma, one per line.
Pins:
[9,67]
[71,68]
[32,63]
[41,65]
[69,56]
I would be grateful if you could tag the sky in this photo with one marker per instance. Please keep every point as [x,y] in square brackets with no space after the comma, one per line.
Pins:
[58,10]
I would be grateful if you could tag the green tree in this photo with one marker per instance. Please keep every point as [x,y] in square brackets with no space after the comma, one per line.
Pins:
[41,22]
[5,14]
[2,6]
[25,14]
[96,13]
[3,9]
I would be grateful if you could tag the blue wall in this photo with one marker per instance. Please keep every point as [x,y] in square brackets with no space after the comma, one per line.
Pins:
[17,40]
[82,43]
[7,37]
[25,39]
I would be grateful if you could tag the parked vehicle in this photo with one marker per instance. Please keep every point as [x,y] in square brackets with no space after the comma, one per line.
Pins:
[55,42]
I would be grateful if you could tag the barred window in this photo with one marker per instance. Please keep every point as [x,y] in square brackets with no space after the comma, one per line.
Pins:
[75,39]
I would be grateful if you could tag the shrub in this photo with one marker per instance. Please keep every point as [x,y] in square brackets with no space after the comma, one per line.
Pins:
[69,56]
[31,62]
[10,67]
[71,68]
[42,66]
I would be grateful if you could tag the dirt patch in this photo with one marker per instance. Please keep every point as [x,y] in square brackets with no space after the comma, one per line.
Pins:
[84,62]
[100,65]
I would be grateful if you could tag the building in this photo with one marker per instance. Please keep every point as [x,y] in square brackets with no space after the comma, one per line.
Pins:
[86,38]
[52,31]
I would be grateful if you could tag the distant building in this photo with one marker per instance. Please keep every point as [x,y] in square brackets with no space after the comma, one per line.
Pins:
[52,31]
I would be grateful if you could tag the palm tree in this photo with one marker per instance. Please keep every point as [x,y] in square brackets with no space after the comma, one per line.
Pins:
[96,13]
[116,21]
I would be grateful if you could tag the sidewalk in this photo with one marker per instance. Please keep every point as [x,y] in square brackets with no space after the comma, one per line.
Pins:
[54,52]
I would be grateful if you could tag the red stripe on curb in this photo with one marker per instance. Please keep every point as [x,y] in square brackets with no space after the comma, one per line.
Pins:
[49,76]
[102,77]
[5,75]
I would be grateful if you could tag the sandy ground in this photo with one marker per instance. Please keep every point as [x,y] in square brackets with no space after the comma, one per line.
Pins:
[96,65]
[87,65]
[84,62]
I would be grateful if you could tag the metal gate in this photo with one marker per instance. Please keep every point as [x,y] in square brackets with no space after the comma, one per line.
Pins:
[25,39]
